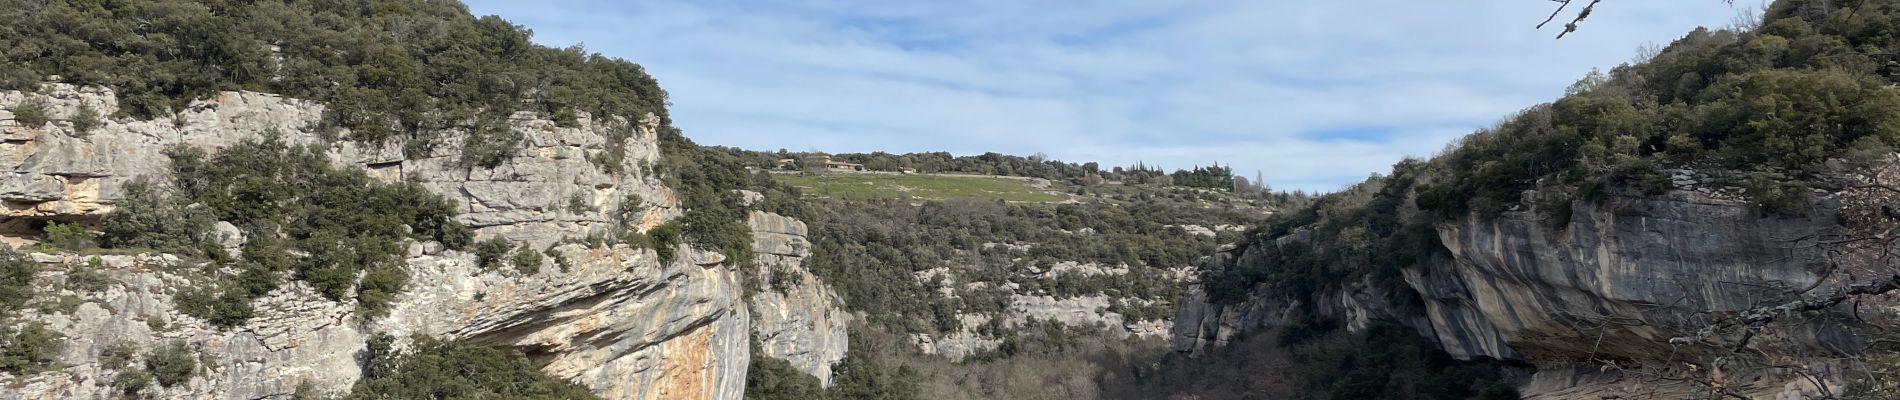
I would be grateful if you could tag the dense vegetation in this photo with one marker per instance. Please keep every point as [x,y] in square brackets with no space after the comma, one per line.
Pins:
[1811,84]
[29,349]
[707,182]
[1364,232]
[871,251]
[407,70]
[1211,177]
[1049,360]
[1381,363]
[864,373]
[172,364]
[436,369]
[768,378]
[1038,166]
[303,218]
[25,348]
[16,280]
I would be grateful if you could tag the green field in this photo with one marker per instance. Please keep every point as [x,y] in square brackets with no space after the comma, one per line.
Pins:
[932,187]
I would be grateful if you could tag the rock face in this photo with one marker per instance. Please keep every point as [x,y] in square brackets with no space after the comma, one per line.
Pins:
[797,317]
[1617,282]
[618,321]
[59,173]
[615,319]
[1659,261]
[1090,312]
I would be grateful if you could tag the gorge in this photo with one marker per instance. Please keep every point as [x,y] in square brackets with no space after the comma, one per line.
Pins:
[399,199]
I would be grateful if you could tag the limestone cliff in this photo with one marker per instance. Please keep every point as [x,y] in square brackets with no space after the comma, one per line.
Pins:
[1623,293]
[797,317]
[615,319]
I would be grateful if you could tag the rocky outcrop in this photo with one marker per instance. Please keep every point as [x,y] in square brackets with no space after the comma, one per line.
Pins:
[1083,269]
[618,321]
[1652,260]
[58,172]
[797,317]
[960,343]
[1086,312]
[1631,280]
[1199,230]
[614,319]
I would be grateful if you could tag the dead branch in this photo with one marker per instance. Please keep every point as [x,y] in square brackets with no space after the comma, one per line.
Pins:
[1553,13]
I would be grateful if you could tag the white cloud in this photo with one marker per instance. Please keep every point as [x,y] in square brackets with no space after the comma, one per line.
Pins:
[1257,85]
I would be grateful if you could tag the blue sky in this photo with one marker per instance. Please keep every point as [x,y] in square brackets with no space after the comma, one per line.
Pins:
[1314,95]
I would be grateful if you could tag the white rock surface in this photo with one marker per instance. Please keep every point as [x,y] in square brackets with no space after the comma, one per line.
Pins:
[800,319]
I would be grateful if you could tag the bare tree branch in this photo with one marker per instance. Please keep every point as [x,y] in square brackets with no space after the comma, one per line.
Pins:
[1553,13]
[1581,14]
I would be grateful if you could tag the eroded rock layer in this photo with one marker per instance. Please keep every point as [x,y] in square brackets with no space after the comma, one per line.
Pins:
[1624,292]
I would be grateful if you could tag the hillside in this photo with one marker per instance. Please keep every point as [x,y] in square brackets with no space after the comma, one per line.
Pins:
[1704,222]
[336,199]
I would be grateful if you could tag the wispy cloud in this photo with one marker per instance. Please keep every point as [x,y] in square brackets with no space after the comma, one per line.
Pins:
[1315,95]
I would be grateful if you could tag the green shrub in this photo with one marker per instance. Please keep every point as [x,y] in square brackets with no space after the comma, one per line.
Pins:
[631,208]
[456,369]
[30,349]
[1776,197]
[861,375]
[172,364]
[16,279]
[526,260]
[769,378]
[118,355]
[131,383]
[69,236]
[86,120]
[578,204]
[148,219]
[224,307]
[560,260]
[565,117]
[380,359]
[665,240]
[87,277]
[489,253]
[379,289]
[457,236]
[489,146]
[29,114]
[58,303]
